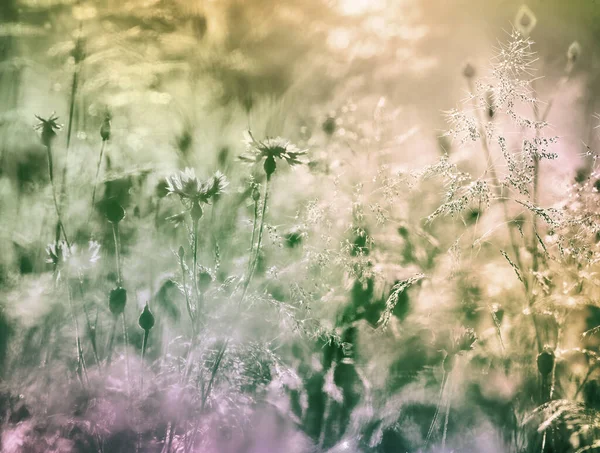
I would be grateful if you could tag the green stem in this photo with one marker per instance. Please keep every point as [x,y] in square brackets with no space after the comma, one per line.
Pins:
[144,344]
[55,199]
[116,237]
[187,297]
[111,340]
[97,173]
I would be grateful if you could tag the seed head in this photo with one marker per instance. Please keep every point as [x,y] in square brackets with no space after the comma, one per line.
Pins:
[146,319]
[117,300]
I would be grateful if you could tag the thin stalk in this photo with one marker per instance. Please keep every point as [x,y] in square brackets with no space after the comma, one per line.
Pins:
[80,358]
[144,344]
[91,330]
[126,338]
[111,340]
[116,237]
[437,408]
[54,197]
[195,261]
[262,226]
[447,416]
[254,225]
[97,173]
[187,297]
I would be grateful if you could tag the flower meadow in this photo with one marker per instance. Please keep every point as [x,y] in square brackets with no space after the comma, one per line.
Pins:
[233,227]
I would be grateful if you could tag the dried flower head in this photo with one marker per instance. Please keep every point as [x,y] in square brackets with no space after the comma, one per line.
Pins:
[48,128]
[192,191]
[271,149]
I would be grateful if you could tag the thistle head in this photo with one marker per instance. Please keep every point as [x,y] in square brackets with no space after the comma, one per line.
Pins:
[48,127]
[271,150]
[194,192]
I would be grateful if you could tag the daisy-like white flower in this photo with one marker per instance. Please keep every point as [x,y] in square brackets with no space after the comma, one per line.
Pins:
[194,192]
[48,126]
[271,149]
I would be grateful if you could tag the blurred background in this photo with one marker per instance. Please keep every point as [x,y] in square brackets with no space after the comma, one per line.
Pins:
[363,85]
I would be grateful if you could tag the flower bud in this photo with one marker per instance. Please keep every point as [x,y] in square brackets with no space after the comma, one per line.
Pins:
[205,279]
[270,165]
[545,362]
[573,52]
[255,193]
[469,71]
[105,128]
[114,211]
[196,212]
[181,252]
[162,189]
[146,319]
[117,301]
[329,125]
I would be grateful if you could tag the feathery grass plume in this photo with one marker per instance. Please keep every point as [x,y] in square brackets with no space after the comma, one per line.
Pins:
[393,298]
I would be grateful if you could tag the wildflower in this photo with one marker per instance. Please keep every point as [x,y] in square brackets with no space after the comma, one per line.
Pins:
[49,127]
[545,361]
[271,149]
[117,300]
[525,21]
[146,319]
[193,192]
